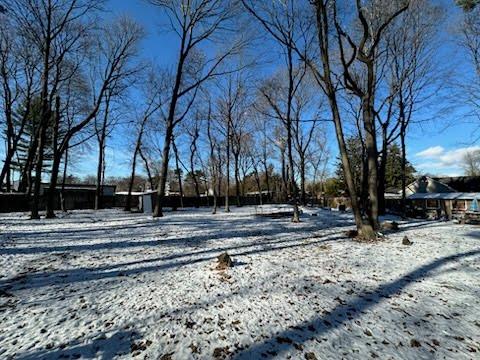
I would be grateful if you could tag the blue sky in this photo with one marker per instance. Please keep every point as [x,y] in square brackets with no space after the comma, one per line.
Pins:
[435,146]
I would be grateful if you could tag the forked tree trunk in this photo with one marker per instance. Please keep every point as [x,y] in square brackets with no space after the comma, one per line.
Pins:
[147,168]
[363,229]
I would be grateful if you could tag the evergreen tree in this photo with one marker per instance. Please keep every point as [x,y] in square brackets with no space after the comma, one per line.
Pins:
[26,148]
[393,171]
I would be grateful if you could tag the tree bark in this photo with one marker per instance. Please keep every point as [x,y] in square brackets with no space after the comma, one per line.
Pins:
[62,191]
[179,173]
[57,158]
[293,186]
[147,168]
[164,169]
[100,166]
[237,178]
[302,180]
[371,147]
[382,166]
[227,190]
[193,174]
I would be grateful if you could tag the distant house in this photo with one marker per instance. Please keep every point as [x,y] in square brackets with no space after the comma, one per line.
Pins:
[449,197]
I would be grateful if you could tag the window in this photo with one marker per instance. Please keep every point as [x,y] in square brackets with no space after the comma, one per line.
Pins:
[458,204]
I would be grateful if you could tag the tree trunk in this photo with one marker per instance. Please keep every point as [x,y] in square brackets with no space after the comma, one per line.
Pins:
[5,175]
[44,119]
[52,189]
[302,180]
[382,166]
[57,158]
[26,174]
[62,191]
[179,173]
[219,171]
[364,230]
[404,169]
[237,178]
[259,185]
[227,190]
[38,172]
[164,169]
[147,168]
[101,155]
[293,186]
[285,188]
[193,150]
[99,180]
[267,179]
[128,202]
[372,158]
[170,123]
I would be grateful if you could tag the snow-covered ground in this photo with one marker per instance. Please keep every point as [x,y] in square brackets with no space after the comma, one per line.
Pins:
[110,284]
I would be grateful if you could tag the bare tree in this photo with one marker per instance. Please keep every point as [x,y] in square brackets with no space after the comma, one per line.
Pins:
[215,168]
[470,40]
[178,171]
[116,50]
[318,157]
[194,23]
[53,27]
[305,121]
[413,77]
[18,78]
[152,94]
[471,163]
[286,23]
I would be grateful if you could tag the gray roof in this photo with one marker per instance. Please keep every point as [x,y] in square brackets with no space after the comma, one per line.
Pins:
[425,184]
[445,196]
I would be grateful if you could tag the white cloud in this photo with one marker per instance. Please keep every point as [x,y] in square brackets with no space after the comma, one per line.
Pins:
[437,160]
[430,152]
[455,157]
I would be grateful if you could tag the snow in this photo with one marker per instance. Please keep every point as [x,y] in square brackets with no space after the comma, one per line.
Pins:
[110,284]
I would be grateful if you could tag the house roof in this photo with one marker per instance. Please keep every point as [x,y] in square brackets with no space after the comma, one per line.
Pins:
[136,193]
[426,184]
[445,196]
[462,183]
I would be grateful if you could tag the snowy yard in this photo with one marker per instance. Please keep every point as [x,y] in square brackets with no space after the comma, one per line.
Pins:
[112,284]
